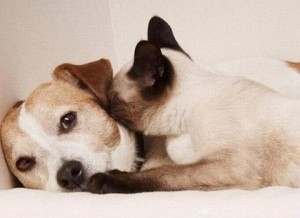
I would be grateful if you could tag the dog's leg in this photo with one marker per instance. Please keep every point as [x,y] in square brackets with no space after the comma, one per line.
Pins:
[207,174]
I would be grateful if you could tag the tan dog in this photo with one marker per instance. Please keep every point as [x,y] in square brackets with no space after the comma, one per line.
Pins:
[61,134]
[222,131]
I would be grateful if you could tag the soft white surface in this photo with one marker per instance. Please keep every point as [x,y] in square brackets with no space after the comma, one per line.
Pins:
[269,202]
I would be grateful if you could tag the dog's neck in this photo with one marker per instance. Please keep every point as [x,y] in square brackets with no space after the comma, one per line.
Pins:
[126,156]
[193,83]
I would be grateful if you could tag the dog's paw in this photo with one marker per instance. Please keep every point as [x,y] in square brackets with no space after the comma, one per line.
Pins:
[102,183]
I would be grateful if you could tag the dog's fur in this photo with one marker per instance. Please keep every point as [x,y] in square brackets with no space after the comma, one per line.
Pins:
[222,131]
[32,129]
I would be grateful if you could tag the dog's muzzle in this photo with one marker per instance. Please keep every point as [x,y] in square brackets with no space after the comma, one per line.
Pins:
[71,175]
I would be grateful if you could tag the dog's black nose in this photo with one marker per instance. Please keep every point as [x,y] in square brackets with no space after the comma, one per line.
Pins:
[70,175]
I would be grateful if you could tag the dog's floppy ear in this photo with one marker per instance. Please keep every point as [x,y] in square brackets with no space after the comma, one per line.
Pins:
[148,65]
[96,76]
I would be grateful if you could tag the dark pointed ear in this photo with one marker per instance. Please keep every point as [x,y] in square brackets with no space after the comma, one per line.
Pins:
[95,76]
[148,65]
[160,32]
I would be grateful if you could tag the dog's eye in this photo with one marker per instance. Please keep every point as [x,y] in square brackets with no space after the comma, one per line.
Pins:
[25,163]
[68,121]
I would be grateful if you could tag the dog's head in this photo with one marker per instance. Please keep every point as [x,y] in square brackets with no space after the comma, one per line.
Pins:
[61,134]
[146,83]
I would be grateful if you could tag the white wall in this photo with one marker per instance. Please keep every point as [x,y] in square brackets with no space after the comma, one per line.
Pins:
[213,31]
[36,36]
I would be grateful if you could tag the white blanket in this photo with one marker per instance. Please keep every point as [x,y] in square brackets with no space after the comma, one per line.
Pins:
[268,202]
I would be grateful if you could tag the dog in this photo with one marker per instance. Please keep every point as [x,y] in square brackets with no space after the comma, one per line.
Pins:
[222,131]
[61,134]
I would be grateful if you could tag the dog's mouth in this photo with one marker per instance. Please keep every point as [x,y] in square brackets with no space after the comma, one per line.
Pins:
[78,187]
